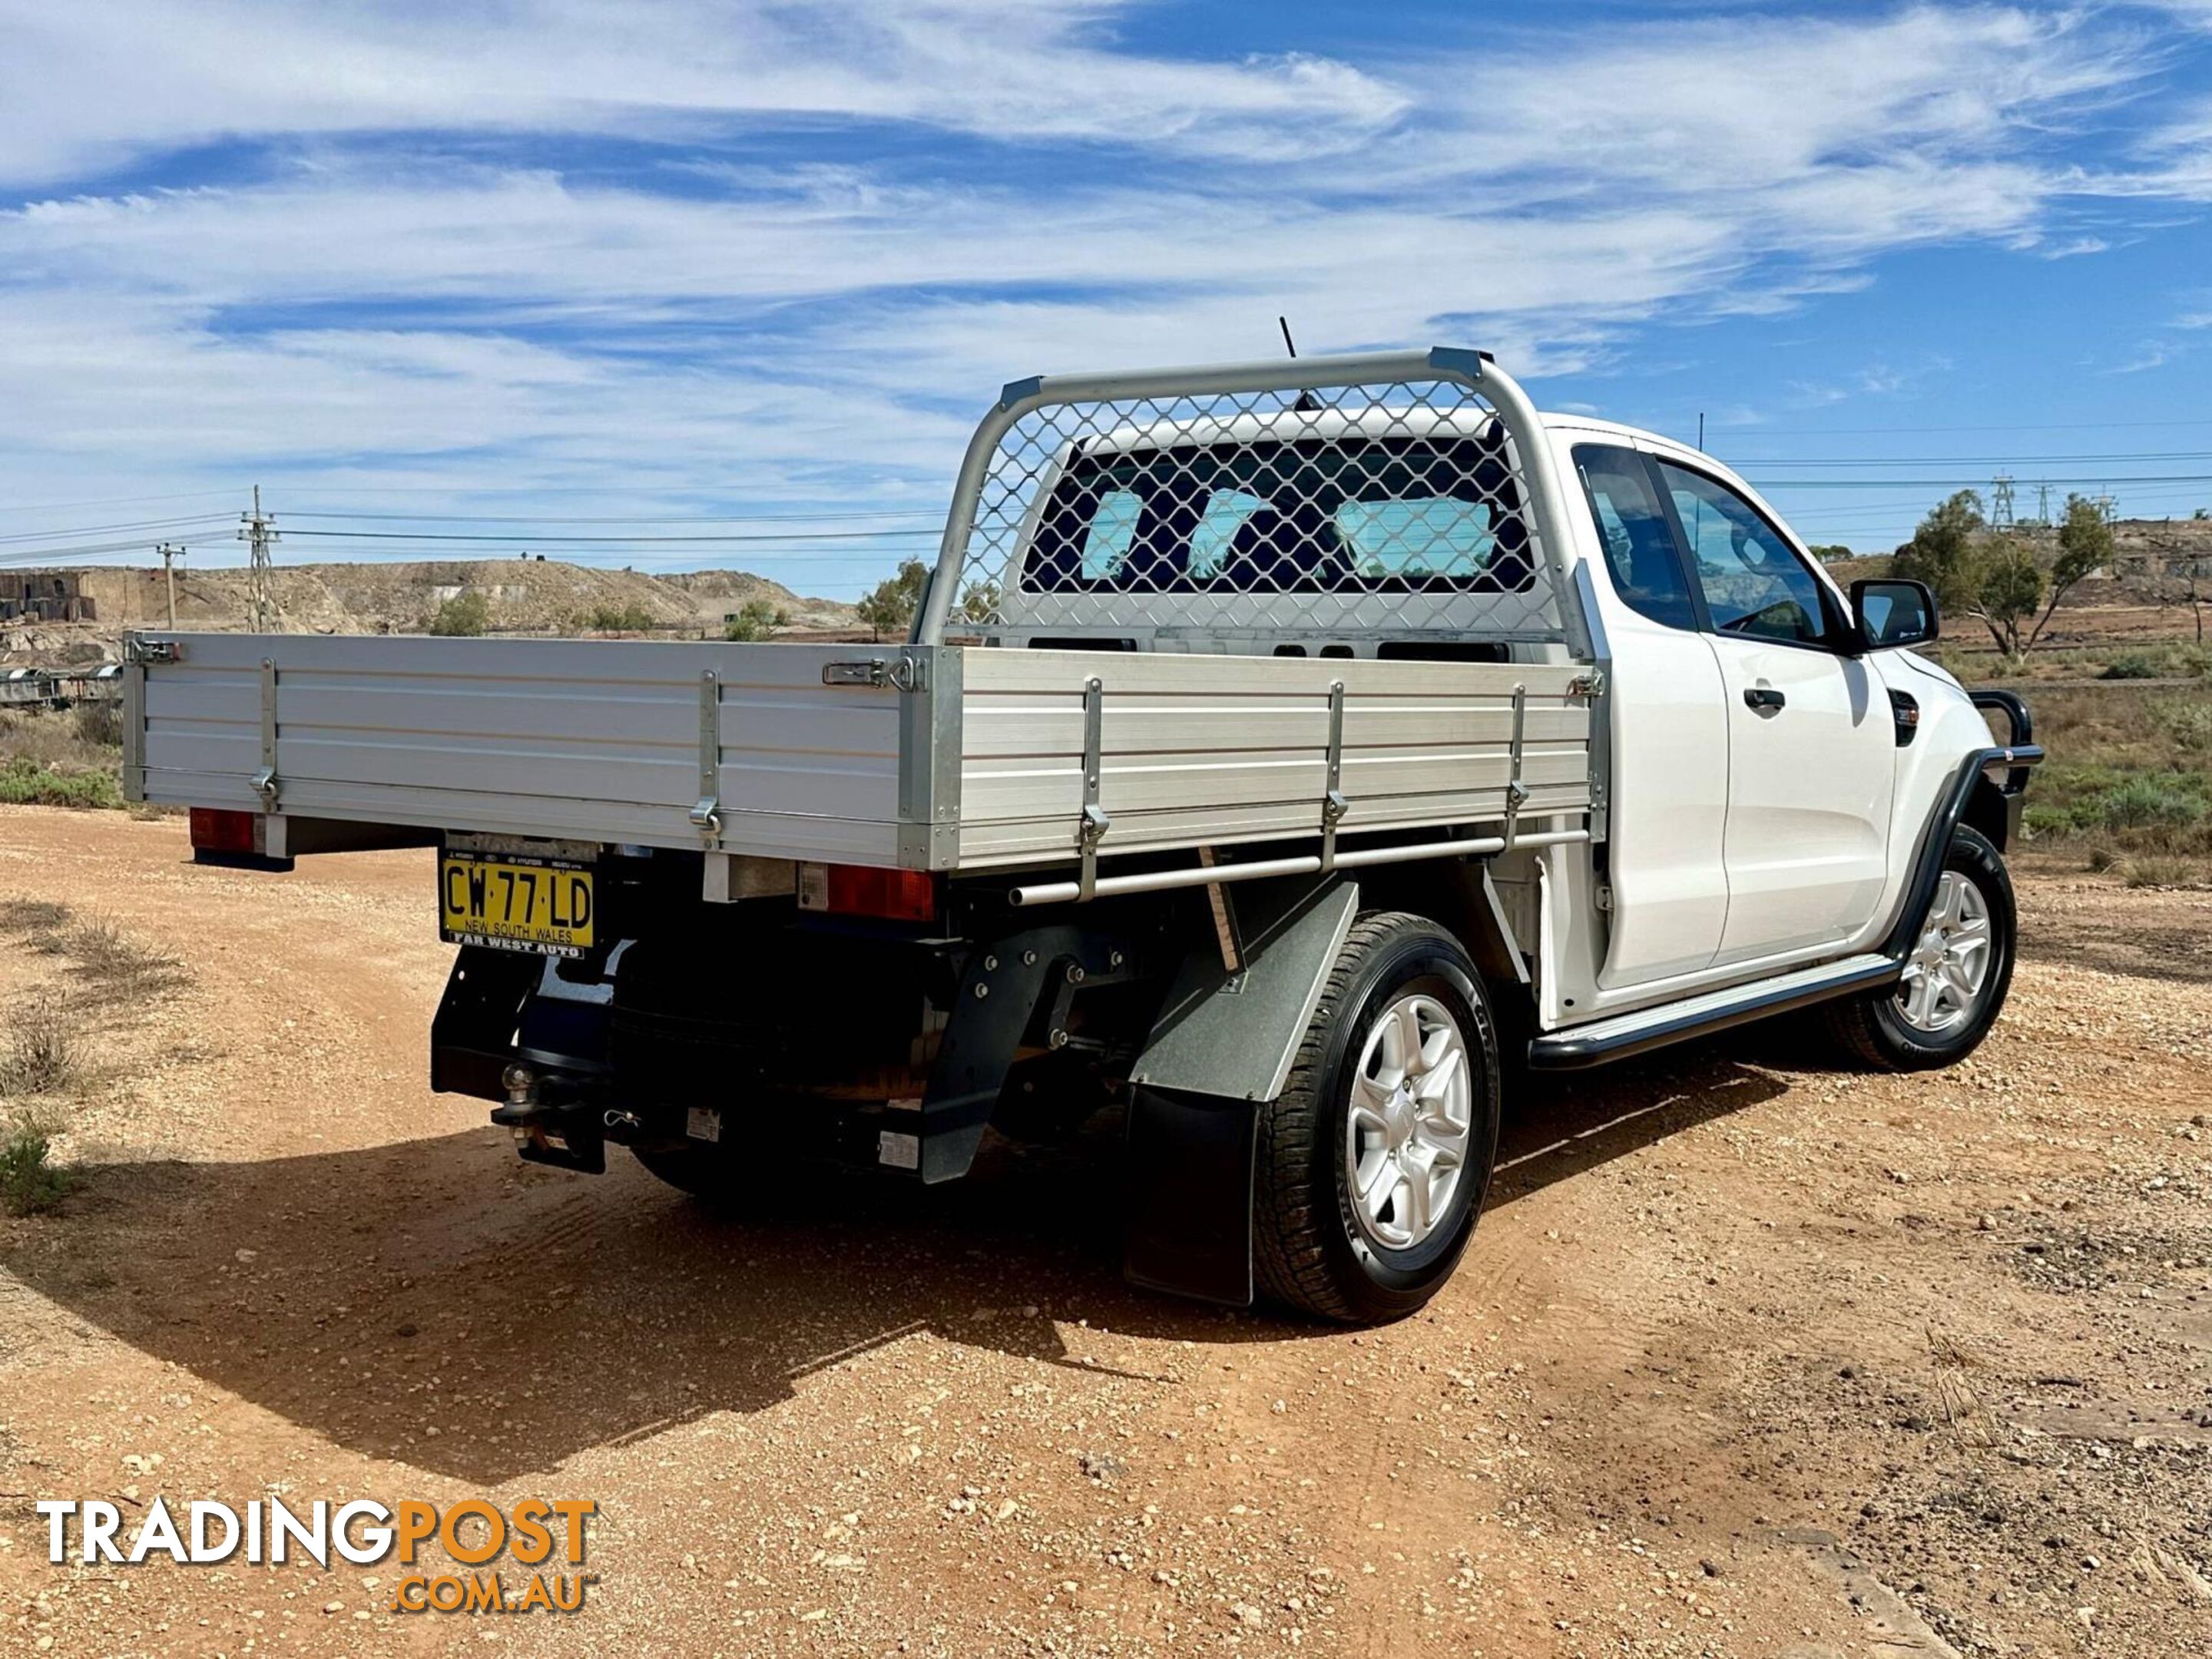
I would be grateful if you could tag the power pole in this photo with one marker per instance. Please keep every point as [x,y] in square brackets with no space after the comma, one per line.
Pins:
[170,553]
[257,531]
[2043,503]
[2001,512]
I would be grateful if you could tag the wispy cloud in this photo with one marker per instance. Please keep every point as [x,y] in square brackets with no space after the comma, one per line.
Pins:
[747,252]
[168,76]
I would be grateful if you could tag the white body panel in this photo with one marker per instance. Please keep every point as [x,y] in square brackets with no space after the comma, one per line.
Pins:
[1824,847]
[1808,797]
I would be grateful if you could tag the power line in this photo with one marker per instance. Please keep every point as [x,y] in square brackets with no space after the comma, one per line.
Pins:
[614,541]
[924,513]
[2113,458]
[114,529]
[1974,482]
[116,501]
[2046,426]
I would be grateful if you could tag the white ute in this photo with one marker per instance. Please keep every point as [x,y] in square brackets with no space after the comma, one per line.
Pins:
[1286,756]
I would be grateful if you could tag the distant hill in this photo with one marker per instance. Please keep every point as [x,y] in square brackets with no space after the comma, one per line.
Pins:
[527,596]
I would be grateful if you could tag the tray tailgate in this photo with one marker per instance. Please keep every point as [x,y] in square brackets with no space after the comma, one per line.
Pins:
[598,740]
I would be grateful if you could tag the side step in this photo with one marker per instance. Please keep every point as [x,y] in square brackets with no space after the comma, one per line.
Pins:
[1623,1035]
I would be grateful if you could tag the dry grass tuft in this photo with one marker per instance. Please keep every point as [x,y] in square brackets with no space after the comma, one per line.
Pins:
[30,915]
[108,964]
[40,1052]
[2155,870]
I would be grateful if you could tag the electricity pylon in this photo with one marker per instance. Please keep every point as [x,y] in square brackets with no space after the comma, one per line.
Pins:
[257,531]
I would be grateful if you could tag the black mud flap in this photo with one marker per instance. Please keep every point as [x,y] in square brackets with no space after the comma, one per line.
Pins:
[1189,1187]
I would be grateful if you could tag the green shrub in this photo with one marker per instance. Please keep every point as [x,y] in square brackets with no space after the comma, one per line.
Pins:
[2146,802]
[25,782]
[631,618]
[758,621]
[2172,661]
[465,615]
[2135,665]
[28,1183]
[2188,720]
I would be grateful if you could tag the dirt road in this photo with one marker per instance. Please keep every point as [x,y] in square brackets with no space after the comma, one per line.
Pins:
[1751,1355]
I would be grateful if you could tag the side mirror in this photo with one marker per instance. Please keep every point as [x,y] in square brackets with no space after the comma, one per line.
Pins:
[1893,613]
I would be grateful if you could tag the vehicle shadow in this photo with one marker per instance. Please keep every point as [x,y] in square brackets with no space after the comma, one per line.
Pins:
[438,1301]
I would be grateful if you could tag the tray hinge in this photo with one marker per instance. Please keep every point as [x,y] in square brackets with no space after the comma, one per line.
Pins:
[1333,804]
[1091,828]
[902,673]
[266,782]
[1516,793]
[707,812]
[136,648]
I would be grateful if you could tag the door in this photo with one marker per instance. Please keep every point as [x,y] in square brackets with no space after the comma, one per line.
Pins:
[1812,743]
[1670,734]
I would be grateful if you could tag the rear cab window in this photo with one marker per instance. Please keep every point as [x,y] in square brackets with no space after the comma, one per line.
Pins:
[1640,552]
[1383,515]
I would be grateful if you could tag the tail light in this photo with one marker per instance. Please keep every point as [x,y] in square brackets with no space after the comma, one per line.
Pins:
[215,830]
[860,889]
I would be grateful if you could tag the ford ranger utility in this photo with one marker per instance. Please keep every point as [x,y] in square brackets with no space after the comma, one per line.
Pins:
[1285,756]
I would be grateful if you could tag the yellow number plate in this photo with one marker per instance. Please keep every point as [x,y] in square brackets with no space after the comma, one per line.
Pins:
[515,904]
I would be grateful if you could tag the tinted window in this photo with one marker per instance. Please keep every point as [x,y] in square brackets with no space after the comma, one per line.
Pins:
[1426,535]
[1640,545]
[1351,515]
[1112,529]
[1754,583]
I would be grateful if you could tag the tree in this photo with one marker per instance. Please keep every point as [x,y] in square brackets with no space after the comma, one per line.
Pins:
[980,604]
[1945,553]
[466,615]
[757,620]
[891,607]
[2085,544]
[2009,588]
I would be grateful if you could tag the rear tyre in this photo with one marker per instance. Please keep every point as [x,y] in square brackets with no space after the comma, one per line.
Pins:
[1372,1165]
[1956,977]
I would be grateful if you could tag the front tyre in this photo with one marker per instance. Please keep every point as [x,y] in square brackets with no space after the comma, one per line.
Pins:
[1373,1164]
[1956,976]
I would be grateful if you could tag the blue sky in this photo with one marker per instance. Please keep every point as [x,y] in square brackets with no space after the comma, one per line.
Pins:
[568,271]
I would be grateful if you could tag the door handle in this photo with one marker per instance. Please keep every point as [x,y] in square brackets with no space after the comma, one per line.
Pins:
[1764,698]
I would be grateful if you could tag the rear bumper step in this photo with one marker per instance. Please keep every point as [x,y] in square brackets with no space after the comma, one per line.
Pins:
[1625,1034]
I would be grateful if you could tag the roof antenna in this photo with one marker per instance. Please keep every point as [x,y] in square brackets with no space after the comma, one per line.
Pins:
[1305,404]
